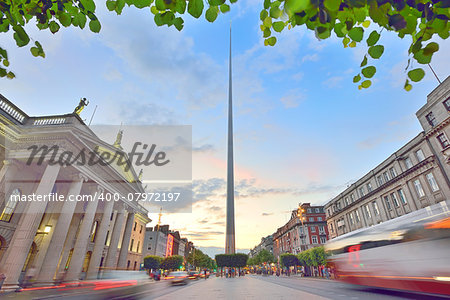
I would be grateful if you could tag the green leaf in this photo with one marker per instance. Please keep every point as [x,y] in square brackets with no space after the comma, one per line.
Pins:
[263,14]
[34,51]
[266,33]
[368,72]
[278,26]
[416,75]
[65,19]
[146,3]
[268,22]
[422,58]
[119,6]
[160,5]
[89,5]
[430,48]
[2,72]
[20,36]
[95,26]
[211,13]
[366,83]
[6,63]
[224,8]
[373,38]
[180,7]
[195,8]
[376,51]
[345,41]
[407,86]
[364,61]
[54,27]
[216,2]
[357,78]
[266,4]
[332,5]
[272,41]
[275,12]
[356,33]
[178,23]
[10,75]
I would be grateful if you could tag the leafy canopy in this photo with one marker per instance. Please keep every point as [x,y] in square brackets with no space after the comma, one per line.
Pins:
[348,20]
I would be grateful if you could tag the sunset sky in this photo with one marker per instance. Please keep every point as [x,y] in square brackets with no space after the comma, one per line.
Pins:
[303,131]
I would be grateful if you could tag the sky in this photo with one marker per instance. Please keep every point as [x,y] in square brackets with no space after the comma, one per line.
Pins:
[302,129]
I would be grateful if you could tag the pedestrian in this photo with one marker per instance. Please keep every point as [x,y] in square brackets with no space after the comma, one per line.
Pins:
[205,273]
[326,272]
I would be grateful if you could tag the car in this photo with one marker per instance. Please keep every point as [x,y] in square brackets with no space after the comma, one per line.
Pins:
[178,277]
[192,275]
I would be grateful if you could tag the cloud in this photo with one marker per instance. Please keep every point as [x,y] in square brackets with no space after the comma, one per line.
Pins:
[333,82]
[266,214]
[203,148]
[310,57]
[293,98]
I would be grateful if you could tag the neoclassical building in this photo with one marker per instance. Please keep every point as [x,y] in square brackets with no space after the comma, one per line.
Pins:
[415,176]
[63,222]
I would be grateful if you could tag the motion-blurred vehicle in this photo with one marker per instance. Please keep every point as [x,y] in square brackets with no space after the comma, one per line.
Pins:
[178,277]
[410,252]
[201,274]
[193,275]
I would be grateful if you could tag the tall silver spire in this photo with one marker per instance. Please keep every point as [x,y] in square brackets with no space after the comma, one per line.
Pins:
[230,247]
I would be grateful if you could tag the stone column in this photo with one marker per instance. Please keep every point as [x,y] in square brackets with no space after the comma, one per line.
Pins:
[125,242]
[111,256]
[99,244]
[79,250]
[26,230]
[48,269]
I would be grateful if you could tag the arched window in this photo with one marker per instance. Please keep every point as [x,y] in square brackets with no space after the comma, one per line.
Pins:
[94,231]
[10,206]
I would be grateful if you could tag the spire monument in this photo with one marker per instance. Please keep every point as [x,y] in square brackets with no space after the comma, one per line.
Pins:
[230,247]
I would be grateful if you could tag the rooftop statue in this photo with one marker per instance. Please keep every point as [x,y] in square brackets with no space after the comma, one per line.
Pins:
[83,102]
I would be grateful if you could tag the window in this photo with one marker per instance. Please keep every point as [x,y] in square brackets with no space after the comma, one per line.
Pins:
[352,197]
[386,176]
[321,229]
[388,204]
[107,236]
[361,191]
[393,172]
[447,104]
[443,140]
[137,247]
[10,205]
[131,244]
[135,225]
[408,162]
[140,231]
[367,211]
[311,219]
[375,208]
[317,210]
[357,216]
[94,231]
[380,180]
[309,210]
[338,204]
[314,239]
[112,216]
[346,201]
[402,196]
[319,218]
[369,187]
[313,228]
[323,240]
[331,227]
[419,155]
[418,187]
[394,200]
[350,216]
[432,182]
[300,229]
[431,119]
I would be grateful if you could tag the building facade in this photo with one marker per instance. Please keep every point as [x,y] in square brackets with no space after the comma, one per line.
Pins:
[265,244]
[297,236]
[44,235]
[414,177]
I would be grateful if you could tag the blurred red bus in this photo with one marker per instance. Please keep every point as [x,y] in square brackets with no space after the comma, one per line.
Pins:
[411,252]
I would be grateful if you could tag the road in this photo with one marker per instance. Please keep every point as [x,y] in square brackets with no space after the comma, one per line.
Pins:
[248,287]
[272,287]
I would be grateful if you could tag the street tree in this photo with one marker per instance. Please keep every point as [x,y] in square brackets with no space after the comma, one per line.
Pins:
[152,262]
[348,20]
[172,262]
[289,260]
[264,256]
